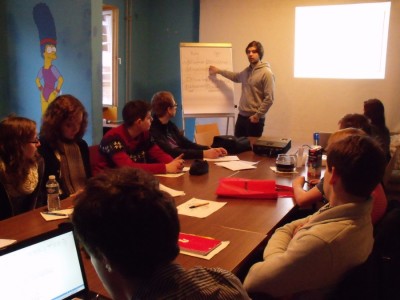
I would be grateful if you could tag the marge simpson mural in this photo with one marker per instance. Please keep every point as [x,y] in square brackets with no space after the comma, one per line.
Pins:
[48,80]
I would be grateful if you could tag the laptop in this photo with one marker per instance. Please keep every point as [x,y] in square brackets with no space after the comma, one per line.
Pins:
[47,266]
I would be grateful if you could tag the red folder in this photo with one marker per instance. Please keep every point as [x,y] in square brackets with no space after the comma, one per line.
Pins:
[252,188]
[197,244]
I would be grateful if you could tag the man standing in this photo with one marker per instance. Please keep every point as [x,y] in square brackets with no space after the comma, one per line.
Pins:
[258,85]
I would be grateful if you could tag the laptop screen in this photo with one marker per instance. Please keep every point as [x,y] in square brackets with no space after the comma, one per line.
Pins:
[44,267]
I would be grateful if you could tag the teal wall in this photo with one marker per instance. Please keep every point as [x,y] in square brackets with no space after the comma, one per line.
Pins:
[157,29]
[159,26]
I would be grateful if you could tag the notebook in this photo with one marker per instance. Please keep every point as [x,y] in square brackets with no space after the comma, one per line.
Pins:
[47,266]
[197,244]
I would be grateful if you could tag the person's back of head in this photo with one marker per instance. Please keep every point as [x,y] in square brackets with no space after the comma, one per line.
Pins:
[134,110]
[160,103]
[124,216]
[359,162]
[356,121]
[63,108]
[375,111]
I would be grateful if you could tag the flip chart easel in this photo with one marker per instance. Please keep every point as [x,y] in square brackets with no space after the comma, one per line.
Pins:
[205,96]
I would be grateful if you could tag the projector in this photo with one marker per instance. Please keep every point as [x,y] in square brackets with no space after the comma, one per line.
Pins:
[271,146]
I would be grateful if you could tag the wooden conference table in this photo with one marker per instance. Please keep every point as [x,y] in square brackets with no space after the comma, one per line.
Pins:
[246,223]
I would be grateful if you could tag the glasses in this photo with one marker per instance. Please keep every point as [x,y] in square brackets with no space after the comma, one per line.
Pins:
[35,141]
[174,105]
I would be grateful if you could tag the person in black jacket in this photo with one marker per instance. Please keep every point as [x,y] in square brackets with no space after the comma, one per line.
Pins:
[167,135]
[65,153]
[21,167]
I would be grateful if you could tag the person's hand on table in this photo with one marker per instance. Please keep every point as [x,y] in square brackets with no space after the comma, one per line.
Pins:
[176,165]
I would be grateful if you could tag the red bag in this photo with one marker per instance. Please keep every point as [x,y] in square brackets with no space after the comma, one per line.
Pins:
[252,188]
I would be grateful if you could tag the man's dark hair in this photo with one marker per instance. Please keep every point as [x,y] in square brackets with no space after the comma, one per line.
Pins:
[356,121]
[258,46]
[123,215]
[360,163]
[134,110]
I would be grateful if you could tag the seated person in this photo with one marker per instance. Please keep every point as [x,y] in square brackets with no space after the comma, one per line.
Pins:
[130,230]
[21,167]
[168,136]
[308,257]
[355,121]
[374,110]
[130,144]
[349,125]
[65,152]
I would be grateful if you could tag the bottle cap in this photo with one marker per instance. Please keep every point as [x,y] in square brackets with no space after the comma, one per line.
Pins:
[52,177]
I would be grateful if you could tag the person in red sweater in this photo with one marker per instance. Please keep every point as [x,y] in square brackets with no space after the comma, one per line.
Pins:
[130,144]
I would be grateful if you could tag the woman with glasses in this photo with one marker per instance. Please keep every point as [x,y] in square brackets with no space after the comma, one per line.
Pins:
[167,135]
[65,152]
[21,167]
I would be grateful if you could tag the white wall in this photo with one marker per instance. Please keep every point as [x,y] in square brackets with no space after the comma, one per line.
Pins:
[301,106]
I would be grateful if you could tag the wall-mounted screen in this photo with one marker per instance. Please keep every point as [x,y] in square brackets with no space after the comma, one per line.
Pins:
[341,41]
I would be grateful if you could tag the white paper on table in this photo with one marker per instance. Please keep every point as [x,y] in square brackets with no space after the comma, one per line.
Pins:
[173,175]
[236,165]
[6,242]
[224,158]
[172,192]
[67,212]
[210,255]
[199,212]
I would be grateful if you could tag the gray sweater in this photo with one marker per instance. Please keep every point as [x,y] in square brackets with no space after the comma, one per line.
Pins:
[258,85]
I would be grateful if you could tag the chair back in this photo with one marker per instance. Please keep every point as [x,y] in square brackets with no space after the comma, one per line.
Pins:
[204,133]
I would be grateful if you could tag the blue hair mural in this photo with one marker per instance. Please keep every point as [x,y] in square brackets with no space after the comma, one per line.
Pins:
[45,24]
[48,80]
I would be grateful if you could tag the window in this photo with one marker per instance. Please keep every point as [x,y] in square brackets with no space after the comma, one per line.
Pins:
[109,55]
[341,41]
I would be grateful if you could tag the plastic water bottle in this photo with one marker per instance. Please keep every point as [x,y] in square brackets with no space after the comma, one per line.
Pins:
[53,196]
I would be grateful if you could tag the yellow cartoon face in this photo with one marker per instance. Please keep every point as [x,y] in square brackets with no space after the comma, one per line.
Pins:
[50,52]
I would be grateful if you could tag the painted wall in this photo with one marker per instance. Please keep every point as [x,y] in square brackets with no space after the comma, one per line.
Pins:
[78,28]
[301,105]
[159,27]
[156,34]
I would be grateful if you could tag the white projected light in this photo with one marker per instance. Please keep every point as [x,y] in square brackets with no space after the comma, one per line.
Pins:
[341,41]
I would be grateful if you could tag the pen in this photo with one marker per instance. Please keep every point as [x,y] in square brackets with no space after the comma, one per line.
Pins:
[55,214]
[198,205]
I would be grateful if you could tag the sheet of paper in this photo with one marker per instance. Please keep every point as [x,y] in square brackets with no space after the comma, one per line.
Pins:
[173,175]
[6,242]
[172,192]
[236,165]
[224,158]
[66,212]
[200,211]
[210,255]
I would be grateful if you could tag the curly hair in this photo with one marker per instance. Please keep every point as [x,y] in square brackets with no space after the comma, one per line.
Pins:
[160,103]
[15,133]
[58,111]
